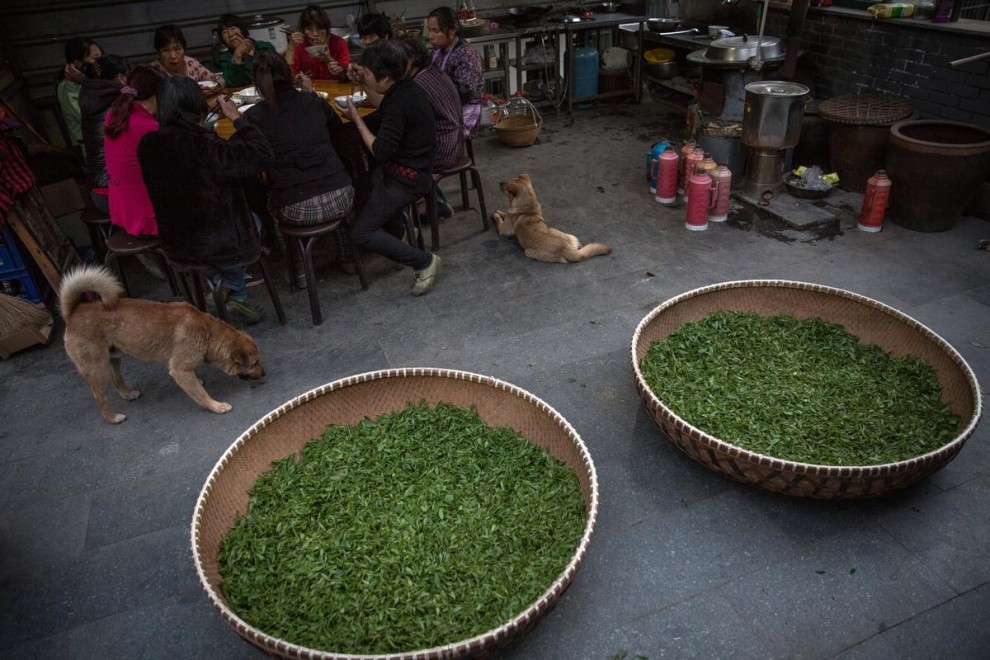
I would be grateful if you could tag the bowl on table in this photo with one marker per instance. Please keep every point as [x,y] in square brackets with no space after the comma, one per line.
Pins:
[209,87]
[246,96]
[873,323]
[357,98]
[285,431]
[244,108]
[316,50]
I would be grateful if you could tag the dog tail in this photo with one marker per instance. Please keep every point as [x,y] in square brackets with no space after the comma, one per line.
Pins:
[586,252]
[85,280]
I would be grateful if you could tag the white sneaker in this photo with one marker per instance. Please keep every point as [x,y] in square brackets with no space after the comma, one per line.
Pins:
[426,277]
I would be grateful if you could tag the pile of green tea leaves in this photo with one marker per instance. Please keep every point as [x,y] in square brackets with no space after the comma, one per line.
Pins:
[799,390]
[420,528]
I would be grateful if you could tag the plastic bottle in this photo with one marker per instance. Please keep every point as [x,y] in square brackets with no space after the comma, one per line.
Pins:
[667,176]
[489,112]
[722,181]
[891,10]
[699,199]
[874,202]
[690,163]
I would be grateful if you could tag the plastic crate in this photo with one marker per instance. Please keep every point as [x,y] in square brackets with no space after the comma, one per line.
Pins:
[19,283]
[10,257]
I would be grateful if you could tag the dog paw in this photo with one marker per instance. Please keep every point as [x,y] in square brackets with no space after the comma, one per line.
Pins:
[116,418]
[130,395]
[220,408]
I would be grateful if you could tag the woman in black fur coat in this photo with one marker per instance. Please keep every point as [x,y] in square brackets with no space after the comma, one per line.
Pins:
[194,179]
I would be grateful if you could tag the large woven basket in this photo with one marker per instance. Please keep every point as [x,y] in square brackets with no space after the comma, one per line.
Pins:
[519,130]
[286,430]
[871,321]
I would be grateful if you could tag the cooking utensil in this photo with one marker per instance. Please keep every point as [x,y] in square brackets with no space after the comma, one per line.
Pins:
[662,24]
[791,181]
[737,51]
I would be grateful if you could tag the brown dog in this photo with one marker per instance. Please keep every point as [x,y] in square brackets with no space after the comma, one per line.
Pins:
[524,220]
[175,334]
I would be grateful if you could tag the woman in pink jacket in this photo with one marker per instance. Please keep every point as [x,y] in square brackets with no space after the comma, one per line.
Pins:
[130,118]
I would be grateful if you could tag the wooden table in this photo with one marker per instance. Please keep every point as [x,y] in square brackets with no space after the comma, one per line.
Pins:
[332,88]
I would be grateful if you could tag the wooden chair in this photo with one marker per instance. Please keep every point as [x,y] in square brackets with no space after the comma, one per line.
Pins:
[192,277]
[121,244]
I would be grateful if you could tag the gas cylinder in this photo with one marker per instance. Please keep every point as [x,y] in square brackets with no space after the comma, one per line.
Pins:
[699,198]
[722,181]
[667,176]
[690,163]
[653,162]
[874,202]
[686,150]
[585,66]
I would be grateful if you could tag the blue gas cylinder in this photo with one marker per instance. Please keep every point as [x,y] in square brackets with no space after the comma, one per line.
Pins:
[586,65]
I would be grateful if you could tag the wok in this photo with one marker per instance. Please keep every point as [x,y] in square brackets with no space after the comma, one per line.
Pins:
[662,24]
[525,12]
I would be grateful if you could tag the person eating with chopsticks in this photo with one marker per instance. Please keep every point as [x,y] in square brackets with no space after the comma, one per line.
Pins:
[315,51]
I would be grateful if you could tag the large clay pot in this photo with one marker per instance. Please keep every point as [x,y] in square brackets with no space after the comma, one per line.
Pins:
[937,168]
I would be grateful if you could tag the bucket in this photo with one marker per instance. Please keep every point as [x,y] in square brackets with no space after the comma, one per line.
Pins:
[936,168]
[728,151]
[266,28]
[772,114]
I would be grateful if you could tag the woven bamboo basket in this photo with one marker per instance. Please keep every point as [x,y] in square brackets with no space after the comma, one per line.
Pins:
[519,130]
[871,321]
[285,431]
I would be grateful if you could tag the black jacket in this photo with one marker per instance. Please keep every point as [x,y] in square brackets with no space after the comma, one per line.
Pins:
[298,128]
[95,99]
[194,181]
[405,143]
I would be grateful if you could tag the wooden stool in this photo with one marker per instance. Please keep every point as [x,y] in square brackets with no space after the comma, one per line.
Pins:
[200,273]
[461,169]
[305,237]
[121,244]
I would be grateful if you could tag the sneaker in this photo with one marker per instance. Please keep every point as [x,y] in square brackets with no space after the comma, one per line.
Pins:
[253,280]
[244,311]
[445,210]
[426,277]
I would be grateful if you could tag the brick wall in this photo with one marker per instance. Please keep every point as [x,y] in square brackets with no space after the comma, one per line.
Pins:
[849,55]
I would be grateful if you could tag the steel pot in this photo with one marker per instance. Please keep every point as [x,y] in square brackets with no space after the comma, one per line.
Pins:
[735,51]
[774,110]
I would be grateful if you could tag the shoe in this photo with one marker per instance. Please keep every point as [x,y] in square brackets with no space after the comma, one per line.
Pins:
[244,311]
[426,277]
[445,210]
[253,280]
[300,280]
[151,266]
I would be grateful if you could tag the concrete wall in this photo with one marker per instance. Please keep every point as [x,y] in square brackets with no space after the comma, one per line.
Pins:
[848,53]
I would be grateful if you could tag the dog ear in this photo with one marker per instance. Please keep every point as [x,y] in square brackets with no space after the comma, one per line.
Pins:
[524,177]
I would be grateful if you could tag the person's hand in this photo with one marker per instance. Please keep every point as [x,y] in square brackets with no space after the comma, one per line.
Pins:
[297,38]
[303,82]
[356,73]
[335,68]
[243,48]
[73,73]
[352,110]
[228,108]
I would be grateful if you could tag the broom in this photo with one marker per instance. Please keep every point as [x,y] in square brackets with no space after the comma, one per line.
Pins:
[17,314]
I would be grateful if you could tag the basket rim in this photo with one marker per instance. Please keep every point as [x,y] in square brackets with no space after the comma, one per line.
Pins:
[502,633]
[773,462]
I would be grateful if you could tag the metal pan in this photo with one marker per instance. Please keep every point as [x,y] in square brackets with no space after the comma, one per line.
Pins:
[662,24]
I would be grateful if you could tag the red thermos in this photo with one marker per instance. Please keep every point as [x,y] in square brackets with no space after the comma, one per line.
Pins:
[690,163]
[667,176]
[683,174]
[874,202]
[699,198]
[722,180]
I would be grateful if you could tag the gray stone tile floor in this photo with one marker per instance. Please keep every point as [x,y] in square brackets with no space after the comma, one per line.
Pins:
[94,519]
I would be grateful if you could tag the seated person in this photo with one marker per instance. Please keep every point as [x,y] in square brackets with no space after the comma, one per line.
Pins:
[309,184]
[80,56]
[236,63]
[170,44]
[446,104]
[314,30]
[372,27]
[194,180]
[131,117]
[460,61]
[95,99]
[404,145]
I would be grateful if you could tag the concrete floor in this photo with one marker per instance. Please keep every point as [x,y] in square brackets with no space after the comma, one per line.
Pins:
[94,519]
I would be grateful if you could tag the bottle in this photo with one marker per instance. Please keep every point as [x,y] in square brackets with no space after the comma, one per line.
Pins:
[667,176]
[699,199]
[686,150]
[722,181]
[945,11]
[874,202]
[891,10]
[486,123]
[691,162]
[652,161]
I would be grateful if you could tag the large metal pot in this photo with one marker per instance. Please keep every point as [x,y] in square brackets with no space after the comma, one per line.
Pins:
[773,113]
[737,51]
[270,29]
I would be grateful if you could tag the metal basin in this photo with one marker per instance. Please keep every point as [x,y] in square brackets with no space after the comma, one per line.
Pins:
[736,51]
